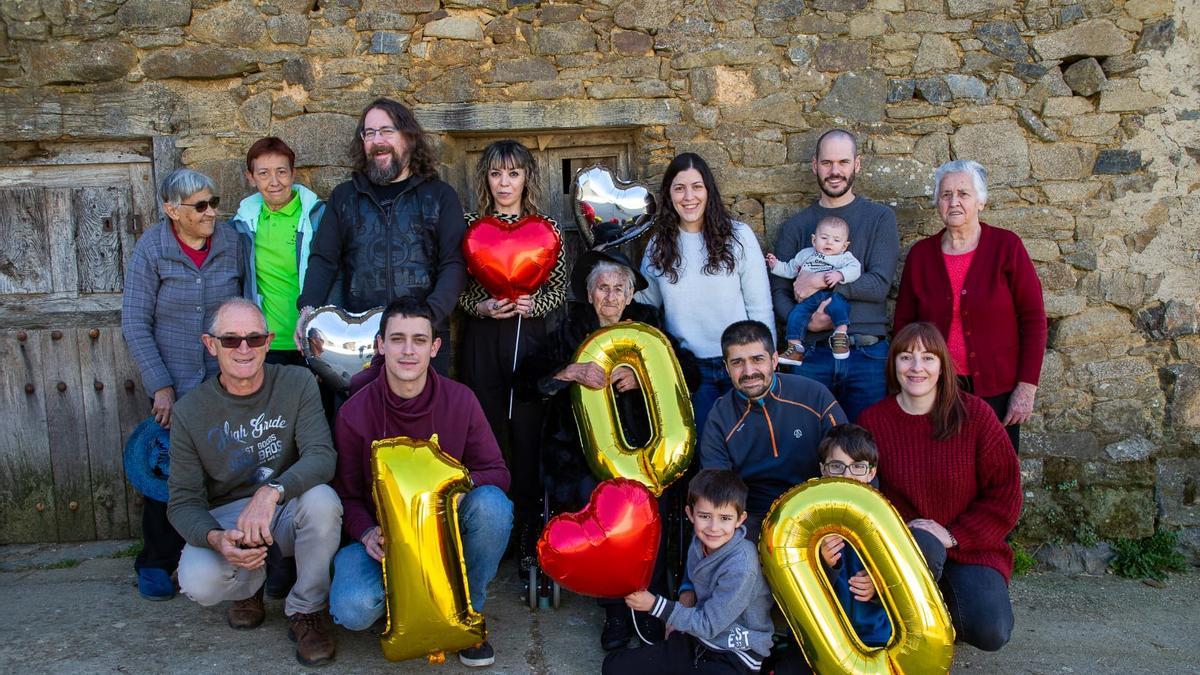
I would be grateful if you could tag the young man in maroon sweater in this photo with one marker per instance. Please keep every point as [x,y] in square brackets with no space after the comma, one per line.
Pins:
[411,399]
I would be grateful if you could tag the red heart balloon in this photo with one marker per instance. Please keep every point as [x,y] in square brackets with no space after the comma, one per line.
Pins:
[511,259]
[606,550]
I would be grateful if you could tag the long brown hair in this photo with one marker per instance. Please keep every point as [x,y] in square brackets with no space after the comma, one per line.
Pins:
[422,161]
[717,228]
[948,413]
[504,155]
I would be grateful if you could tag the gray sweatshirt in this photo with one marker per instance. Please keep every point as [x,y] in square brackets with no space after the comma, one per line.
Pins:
[733,603]
[224,447]
[810,260]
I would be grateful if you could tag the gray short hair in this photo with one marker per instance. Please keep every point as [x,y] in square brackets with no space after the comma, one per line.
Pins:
[183,183]
[968,166]
[604,267]
[230,304]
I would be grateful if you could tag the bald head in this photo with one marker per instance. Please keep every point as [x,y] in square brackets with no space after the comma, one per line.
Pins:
[839,135]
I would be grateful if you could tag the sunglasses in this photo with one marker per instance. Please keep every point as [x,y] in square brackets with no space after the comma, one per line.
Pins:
[839,468]
[235,341]
[202,206]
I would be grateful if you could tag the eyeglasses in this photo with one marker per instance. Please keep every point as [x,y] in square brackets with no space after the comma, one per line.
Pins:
[382,132]
[839,468]
[203,205]
[234,341]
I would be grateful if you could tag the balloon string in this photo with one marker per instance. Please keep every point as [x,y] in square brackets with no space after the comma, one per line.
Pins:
[512,381]
[633,616]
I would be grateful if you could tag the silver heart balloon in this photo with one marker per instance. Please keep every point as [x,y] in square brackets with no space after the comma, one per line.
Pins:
[338,344]
[601,199]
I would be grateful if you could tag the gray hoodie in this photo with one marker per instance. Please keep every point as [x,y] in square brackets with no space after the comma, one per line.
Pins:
[733,603]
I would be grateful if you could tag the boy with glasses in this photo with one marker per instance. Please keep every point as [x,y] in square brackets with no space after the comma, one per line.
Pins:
[848,451]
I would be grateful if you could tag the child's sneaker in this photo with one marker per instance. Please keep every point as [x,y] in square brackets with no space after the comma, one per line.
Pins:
[839,344]
[794,356]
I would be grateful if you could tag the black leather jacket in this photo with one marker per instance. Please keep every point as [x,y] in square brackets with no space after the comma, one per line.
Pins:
[412,247]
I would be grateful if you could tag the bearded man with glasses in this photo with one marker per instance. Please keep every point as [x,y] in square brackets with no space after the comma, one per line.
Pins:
[250,458]
[393,230]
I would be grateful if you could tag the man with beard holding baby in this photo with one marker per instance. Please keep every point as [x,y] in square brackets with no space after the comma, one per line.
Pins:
[393,230]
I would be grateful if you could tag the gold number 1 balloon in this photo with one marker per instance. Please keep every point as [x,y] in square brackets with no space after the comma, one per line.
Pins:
[424,576]
[922,635]
[667,454]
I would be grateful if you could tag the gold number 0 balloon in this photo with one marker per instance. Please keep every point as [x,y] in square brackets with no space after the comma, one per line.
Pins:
[424,576]
[673,430]
[922,638]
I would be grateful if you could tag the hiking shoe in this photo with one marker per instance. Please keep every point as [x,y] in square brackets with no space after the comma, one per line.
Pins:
[839,344]
[794,356]
[478,656]
[155,584]
[617,631]
[313,637]
[248,613]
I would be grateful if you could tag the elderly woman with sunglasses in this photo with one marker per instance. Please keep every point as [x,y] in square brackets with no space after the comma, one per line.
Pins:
[181,270]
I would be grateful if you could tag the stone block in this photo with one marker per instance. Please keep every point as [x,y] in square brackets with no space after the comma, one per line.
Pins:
[523,70]
[927,22]
[459,27]
[155,13]
[493,5]
[255,113]
[1075,445]
[1075,558]
[1070,193]
[200,63]
[631,42]
[1157,36]
[934,90]
[999,146]
[1147,9]
[1126,95]
[1178,491]
[646,89]
[858,97]
[868,25]
[1061,161]
[1135,449]
[840,55]
[936,53]
[1003,39]
[547,90]
[1008,87]
[1085,77]
[1032,122]
[299,71]
[900,90]
[838,5]
[977,114]
[963,8]
[1095,37]
[69,63]
[895,177]
[778,108]
[1183,396]
[236,24]
[502,29]
[778,10]
[453,86]
[1117,162]
[1096,324]
[1066,106]
[319,139]
[384,20]
[1120,513]
[288,29]
[646,16]
[1059,305]
[966,86]
[1094,125]
[573,37]
[932,149]
[388,42]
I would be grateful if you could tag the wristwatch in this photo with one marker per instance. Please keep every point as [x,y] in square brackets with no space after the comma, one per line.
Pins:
[278,486]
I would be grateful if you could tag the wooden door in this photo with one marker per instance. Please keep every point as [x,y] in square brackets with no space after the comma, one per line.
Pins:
[69,392]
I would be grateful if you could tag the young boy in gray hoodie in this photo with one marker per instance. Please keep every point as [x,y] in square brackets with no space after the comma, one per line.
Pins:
[729,628]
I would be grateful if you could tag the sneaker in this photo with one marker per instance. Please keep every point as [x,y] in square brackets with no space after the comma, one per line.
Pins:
[478,656]
[155,584]
[248,613]
[839,344]
[313,637]
[617,631]
[794,356]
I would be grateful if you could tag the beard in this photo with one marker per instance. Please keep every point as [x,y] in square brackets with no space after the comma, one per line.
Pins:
[382,175]
[847,184]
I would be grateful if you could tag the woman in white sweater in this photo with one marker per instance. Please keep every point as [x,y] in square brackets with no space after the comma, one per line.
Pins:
[705,270]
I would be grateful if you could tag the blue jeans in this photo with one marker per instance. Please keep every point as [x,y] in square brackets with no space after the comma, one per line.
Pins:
[357,598]
[838,310]
[714,382]
[857,382]
[976,595]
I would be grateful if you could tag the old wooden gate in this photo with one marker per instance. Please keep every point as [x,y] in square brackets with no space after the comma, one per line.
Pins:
[69,217]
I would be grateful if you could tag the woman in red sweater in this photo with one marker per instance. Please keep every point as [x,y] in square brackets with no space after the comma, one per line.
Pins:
[949,469]
[977,284]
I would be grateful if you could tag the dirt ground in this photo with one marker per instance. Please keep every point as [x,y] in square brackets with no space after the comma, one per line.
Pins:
[86,617]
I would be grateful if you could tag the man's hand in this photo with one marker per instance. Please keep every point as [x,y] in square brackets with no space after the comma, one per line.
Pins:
[164,402]
[255,519]
[641,601]
[623,379]
[936,529]
[687,598]
[831,549]
[820,320]
[861,587]
[227,543]
[1020,404]
[833,278]
[589,375]
[372,540]
[807,283]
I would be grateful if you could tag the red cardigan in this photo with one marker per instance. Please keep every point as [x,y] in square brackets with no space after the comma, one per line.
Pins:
[969,483]
[1003,318]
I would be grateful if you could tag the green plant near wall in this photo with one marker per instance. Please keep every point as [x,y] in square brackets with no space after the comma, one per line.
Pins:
[1148,558]
[1023,562]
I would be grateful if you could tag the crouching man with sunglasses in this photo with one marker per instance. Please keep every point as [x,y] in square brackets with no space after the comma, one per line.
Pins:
[250,458]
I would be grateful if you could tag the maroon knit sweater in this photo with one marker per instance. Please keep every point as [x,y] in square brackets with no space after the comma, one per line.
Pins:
[969,483]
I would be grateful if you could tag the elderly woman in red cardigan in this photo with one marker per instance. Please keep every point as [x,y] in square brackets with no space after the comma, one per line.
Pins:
[977,284]
[949,469]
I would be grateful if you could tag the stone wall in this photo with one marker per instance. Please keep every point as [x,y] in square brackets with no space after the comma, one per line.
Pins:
[1086,113]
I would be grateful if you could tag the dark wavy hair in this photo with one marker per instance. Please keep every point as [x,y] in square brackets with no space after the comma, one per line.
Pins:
[717,228]
[949,412]
[422,161]
[503,155]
